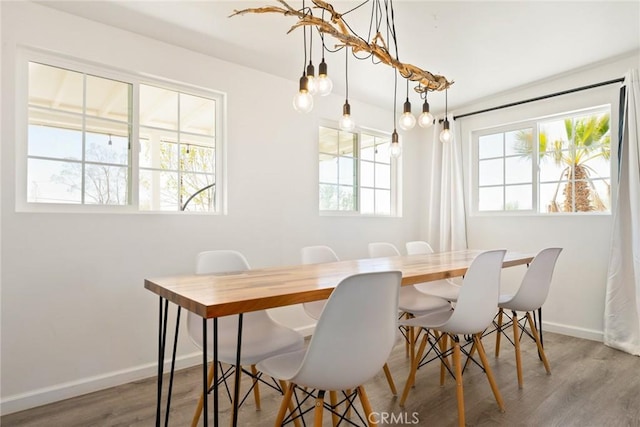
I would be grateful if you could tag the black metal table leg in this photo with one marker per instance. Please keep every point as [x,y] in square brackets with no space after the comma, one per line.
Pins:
[215,371]
[173,367]
[236,391]
[205,389]
[162,335]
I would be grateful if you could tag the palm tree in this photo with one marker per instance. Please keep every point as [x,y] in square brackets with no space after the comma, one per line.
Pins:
[587,138]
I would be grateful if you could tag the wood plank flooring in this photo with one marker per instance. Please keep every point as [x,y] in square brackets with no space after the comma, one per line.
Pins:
[590,385]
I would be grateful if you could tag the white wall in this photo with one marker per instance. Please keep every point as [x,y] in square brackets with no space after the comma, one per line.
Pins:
[75,315]
[575,305]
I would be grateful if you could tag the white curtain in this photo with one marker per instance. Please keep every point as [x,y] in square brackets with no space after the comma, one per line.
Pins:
[622,304]
[446,215]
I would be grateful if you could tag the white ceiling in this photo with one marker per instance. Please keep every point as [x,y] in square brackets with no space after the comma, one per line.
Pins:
[486,47]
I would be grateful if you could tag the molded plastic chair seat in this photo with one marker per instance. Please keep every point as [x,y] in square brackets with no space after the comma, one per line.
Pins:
[472,314]
[267,338]
[352,341]
[418,303]
[445,289]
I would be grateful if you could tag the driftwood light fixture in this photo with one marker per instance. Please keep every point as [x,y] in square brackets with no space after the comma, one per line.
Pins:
[373,45]
[377,46]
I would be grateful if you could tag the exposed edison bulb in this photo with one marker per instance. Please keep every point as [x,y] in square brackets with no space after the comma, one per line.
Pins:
[323,83]
[425,119]
[346,122]
[395,150]
[407,121]
[303,101]
[312,84]
[445,134]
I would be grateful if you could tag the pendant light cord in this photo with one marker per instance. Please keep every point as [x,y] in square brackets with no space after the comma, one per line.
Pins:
[346,72]
[446,103]
[395,91]
[304,40]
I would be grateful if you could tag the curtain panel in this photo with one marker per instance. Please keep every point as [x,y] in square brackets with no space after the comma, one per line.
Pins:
[446,229]
[622,302]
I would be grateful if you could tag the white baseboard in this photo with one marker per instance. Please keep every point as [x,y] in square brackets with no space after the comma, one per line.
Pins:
[43,396]
[572,331]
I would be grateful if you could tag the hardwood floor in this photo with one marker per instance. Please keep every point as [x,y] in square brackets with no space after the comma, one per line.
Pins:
[590,385]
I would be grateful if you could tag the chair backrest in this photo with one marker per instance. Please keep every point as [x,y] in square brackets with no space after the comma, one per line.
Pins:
[536,282]
[478,300]
[418,247]
[355,334]
[220,261]
[382,249]
[318,255]
[224,261]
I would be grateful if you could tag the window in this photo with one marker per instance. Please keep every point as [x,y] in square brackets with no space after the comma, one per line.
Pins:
[177,150]
[78,138]
[356,174]
[96,137]
[555,164]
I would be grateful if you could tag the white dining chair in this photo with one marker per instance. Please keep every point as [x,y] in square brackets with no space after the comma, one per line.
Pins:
[352,341]
[262,337]
[473,313]
[529,297]
[322,254]
[445,288]
[412,302]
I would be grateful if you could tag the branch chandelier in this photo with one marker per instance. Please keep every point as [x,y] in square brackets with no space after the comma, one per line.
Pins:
[382,20]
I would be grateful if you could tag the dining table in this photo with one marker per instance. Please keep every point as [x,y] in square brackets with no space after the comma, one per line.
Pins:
[212,296]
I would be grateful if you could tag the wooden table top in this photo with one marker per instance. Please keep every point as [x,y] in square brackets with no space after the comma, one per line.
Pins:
[232,293]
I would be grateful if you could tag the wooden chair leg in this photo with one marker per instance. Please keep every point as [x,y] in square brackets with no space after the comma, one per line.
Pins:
[412,344]
[392,384]
[457,366]
[256,389]
[516,342]
[286,403]
[292,409]
[319,409]
[333,398]
[348,415]
[412,374]
[366,406]
[536,336]
[499,332]
[488,371]
[196,415]
[444,360]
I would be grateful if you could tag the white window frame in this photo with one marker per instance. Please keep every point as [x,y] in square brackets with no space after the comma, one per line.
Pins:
[395,176]
[534,124]
[26,55]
